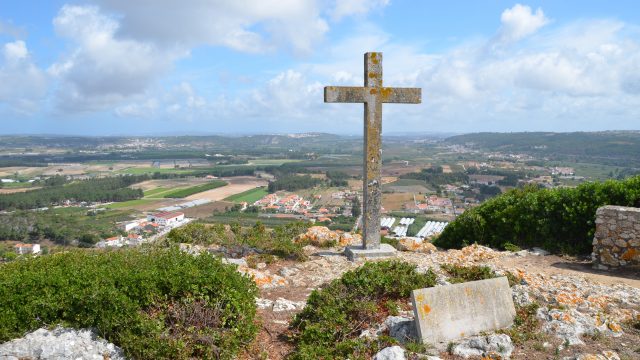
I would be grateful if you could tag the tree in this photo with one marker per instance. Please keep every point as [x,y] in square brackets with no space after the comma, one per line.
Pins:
[355,207]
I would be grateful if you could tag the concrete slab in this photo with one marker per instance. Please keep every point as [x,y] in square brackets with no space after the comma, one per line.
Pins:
[359,252]
[447,313]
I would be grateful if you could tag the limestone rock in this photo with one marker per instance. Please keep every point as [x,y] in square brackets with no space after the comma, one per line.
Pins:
[539,251]
[282,304]
[401,328]
[60,343]
[318,236]
[606,355]
[347,239]
[264,279]
[288,272]
[520,295]
[264,303]
[391,353]
[495,344]
[416,245]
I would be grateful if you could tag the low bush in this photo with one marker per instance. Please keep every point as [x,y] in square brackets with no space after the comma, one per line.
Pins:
[330,324]
[158,304]
[558,220]
[277,241]
[460,274]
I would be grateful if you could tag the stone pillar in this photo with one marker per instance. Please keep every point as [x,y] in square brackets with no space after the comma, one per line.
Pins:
[616,242]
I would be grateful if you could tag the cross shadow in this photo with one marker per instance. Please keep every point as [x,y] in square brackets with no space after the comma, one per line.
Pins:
[328,253]
[586,267]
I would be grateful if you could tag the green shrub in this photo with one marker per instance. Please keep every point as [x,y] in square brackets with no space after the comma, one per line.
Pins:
[526,325]
[159,304]
[460,274]
[330,324]
[278,241]
[558,220]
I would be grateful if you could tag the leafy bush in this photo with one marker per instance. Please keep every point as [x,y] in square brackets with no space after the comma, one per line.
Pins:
[160,304]
[330,324]
[558,220]
[460,274]
[278,241]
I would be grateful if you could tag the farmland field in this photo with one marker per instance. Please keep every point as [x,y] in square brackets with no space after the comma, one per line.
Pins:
[182,193]
[271,161]
[130,203]
[250,196]
[237,184]
[150,193]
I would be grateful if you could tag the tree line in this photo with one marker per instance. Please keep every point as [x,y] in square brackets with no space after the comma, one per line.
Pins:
[92,190]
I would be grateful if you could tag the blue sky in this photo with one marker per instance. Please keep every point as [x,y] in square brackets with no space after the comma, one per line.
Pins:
[119,67]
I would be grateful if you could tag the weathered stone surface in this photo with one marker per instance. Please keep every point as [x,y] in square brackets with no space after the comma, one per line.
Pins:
[401,328]
[60,343]
[358,252]
[446,313]
[391,353]
[282,304]
[485,346]
[373,95]
[615,242]
[416,245]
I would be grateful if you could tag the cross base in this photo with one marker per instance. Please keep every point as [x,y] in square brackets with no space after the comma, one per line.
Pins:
[354,253]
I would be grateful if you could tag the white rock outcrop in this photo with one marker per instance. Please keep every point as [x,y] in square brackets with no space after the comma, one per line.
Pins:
[60,343]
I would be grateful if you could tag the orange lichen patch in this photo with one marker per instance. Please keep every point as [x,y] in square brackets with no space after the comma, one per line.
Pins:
[372,75]
[419,298]
[569,299]
[600,301]
[614,327]
[386,92]
[374,58]
[567,318]
[426,309]
[630,255]
[373,91]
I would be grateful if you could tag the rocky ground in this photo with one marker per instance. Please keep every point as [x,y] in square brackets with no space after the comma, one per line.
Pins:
[585,314]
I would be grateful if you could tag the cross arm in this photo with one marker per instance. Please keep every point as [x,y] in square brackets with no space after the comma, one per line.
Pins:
[402,95]
[344,94]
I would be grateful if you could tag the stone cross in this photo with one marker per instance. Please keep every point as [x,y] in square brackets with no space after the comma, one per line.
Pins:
[373,94]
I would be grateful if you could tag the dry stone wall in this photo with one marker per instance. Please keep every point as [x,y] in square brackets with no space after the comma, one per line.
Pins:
[617,239]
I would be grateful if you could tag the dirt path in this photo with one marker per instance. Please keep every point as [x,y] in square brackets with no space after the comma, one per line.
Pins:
[556,265]
[235,185]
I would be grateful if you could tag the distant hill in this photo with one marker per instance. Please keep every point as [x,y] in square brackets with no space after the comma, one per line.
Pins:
[621,148]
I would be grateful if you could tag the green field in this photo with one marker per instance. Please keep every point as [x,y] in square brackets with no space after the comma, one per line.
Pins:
[250,196]
[181,193]
[152,170]
[245,219]
[16,185]
[156,191]
[124,204]
[271,161]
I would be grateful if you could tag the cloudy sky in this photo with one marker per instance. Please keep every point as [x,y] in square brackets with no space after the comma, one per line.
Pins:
[111,67]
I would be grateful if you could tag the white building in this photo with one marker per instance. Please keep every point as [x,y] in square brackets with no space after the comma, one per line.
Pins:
[23,249]
[166,218]
[129,225]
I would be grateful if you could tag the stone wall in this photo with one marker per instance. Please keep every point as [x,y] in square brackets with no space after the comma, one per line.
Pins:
[617,239]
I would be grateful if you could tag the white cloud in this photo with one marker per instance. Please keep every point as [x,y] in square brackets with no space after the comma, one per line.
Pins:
[253,26]
[22,84]
[15,51]
[103,70]
[520,21]
[343,8]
